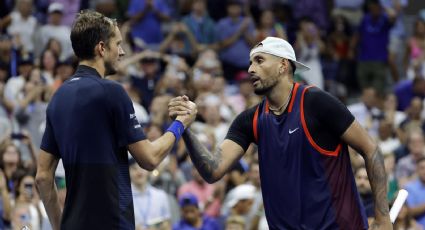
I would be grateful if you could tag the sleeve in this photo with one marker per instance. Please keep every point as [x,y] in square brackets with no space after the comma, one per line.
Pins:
[321,104]
[134,7]
[163,8]
[241,130]
[128,129]
[48,143]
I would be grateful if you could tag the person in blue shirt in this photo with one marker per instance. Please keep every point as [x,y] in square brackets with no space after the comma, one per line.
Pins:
[416,199]
[91,125]
[192,217]
[302,134]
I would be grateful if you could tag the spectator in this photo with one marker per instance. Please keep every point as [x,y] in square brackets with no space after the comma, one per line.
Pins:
[316,10]
[238,202]
[192,217]
[201,25]
[391,113]
[146,77]
[406,90]
[10,162]
[235,36]
[47,63]
[309,46]
[26,212]
[387,140]
[416,199]
[373,39]
[414,57]
[350,9]
[365,191]
[268,27]
[151,207]
[367,112]
[405,169]
[413,118]
[54,29]
[203,191]
[145,18]
[180,41]
[15,85]
[397,36]
[22,25]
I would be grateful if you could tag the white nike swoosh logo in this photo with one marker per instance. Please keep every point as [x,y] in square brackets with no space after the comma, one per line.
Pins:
[292,131]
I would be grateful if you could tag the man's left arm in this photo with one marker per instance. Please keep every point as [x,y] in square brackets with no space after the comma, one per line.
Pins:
[358,138]
[45,180]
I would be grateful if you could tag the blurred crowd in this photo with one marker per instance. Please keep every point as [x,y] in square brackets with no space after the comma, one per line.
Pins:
[368,53]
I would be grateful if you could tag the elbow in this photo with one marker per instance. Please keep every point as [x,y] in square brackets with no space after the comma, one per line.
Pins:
[148,166]
[43,180]
[211,178]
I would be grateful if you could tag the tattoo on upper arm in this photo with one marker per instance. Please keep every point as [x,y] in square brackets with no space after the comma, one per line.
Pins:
[378,180]
[204,161]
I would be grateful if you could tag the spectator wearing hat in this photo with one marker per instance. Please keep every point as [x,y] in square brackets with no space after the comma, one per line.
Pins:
[151,206]
[55,29]
[238,202]
[14,87]
[192,217]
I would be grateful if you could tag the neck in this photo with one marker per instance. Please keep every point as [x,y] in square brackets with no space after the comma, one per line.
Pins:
[278,96]
[95,64]
[141,187]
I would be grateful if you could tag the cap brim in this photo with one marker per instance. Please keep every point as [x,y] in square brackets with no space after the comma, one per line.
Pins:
[300,67]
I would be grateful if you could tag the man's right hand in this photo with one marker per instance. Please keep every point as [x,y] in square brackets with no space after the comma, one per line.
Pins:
[182,109]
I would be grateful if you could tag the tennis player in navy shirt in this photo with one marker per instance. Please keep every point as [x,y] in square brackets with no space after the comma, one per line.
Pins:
[91,125]
[302,134]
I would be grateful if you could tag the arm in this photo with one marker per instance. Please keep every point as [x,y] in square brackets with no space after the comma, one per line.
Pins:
[7,206]
[357,138]
[47,164]
[149,154]
[417,210]
[212,166]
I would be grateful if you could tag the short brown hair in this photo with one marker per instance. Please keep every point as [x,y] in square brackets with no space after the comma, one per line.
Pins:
[88,30]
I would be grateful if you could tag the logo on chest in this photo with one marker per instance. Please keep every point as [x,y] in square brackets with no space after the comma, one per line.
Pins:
[291,131]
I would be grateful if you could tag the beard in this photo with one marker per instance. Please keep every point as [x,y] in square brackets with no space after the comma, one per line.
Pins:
[109,68]
[264,89]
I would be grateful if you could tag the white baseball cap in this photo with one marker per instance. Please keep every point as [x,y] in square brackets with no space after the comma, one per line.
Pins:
[55,7]
[280,48]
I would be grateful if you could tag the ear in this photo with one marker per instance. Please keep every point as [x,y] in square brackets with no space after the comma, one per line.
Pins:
[101,48]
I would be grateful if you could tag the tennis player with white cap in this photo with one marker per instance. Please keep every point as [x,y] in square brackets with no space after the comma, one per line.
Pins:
[303,134]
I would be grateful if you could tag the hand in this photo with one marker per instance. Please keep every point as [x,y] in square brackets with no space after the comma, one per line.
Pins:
[190,118]
[183,109]
[382,225]
[178,106]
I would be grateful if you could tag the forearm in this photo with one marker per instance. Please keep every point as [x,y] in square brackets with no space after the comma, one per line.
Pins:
[49,196]
[206,163]
[417,211]
[378,181]
[7,207]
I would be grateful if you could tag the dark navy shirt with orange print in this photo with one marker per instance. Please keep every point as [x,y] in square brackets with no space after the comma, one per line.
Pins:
[306,175]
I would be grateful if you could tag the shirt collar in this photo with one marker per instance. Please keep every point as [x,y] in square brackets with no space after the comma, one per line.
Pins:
[85,70]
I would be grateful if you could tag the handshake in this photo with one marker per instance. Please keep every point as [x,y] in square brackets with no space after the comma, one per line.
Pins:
[182,109]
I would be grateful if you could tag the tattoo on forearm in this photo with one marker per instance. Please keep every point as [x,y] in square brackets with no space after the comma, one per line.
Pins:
[204,161]
[378,181]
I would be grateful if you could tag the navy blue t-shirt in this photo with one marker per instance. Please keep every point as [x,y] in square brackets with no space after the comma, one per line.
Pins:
[90,123]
